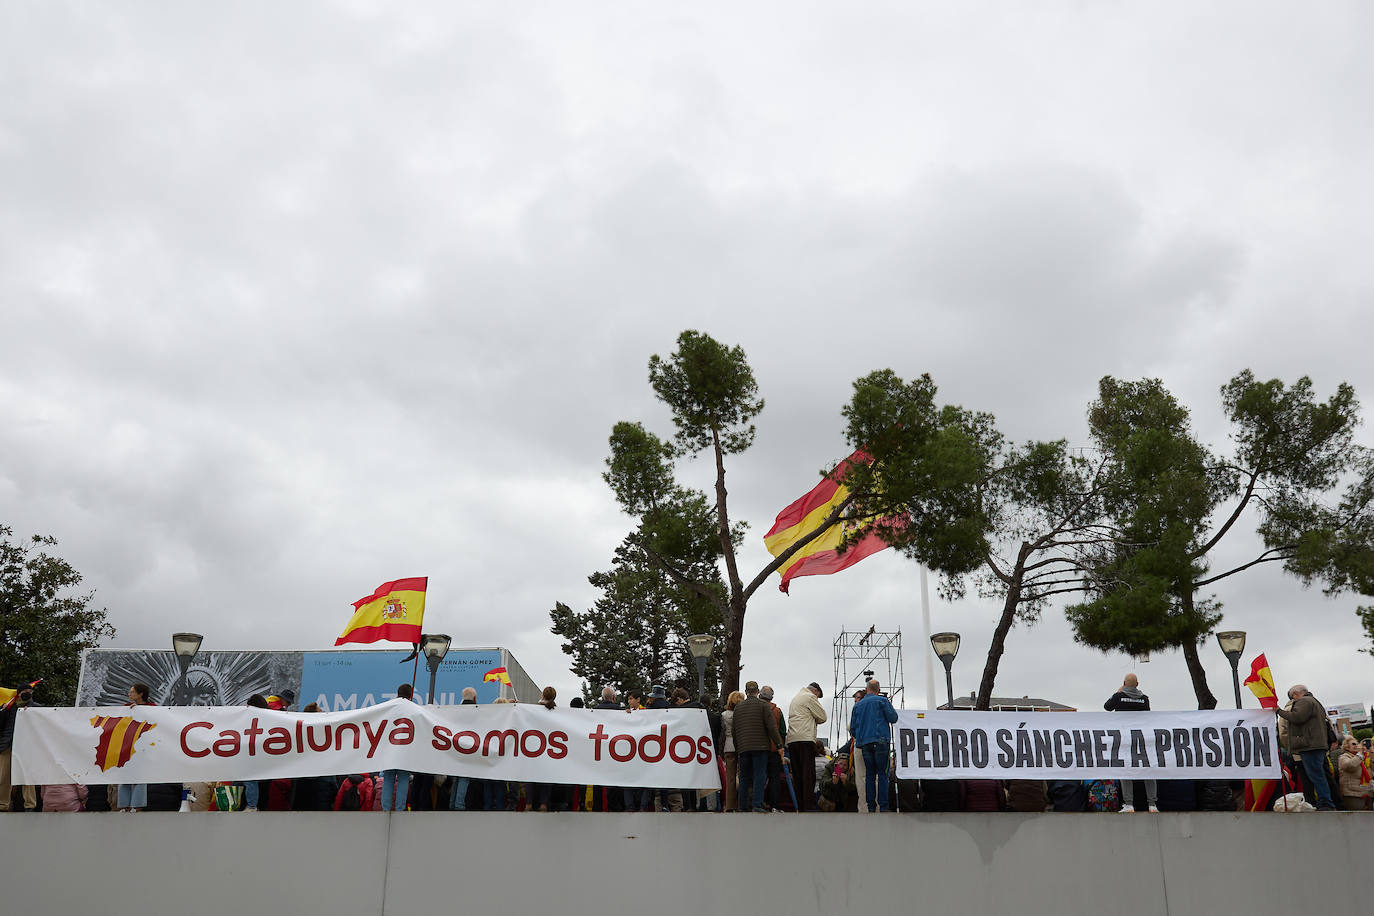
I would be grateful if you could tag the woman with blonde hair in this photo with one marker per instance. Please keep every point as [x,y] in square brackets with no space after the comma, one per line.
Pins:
[727,751]
[1355,793]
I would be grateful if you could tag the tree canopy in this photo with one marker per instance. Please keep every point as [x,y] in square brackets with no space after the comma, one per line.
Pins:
[634,634]
[1174,500]
[43,625]
[684,533]
[1013,519]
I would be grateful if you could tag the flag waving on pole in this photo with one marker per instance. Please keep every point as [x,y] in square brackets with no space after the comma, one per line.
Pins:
[394,612]
[497,674]
[9,695]
[1261,683]
[1260,792]
[819,557]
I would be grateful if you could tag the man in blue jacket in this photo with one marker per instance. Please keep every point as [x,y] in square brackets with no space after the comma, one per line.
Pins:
[870,723]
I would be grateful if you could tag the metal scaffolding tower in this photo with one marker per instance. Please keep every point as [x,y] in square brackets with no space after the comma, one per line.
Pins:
[858,657]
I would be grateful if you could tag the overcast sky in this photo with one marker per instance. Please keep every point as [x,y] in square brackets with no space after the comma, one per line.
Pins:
[299,298]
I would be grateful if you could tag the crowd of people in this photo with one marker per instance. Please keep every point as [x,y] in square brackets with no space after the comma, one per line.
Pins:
[769,760]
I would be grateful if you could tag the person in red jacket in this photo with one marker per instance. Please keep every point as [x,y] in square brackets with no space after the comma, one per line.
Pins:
[365,793]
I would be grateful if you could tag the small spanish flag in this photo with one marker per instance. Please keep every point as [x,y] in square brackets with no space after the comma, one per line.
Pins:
[9,696]
[496,674]
[819,557]
[394,612]
[1261,683]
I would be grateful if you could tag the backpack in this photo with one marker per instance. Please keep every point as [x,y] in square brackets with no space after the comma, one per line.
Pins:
[1215,795]
[350,799]
[1103,795]
[1068,795]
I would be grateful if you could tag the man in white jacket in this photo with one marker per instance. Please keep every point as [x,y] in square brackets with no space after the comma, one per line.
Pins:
[803,715]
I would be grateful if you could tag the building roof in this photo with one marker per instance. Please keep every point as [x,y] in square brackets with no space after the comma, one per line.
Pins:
[1027,704]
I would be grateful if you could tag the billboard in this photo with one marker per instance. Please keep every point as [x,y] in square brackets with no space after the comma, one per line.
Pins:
[352,680]
[336,679]
[1355,712]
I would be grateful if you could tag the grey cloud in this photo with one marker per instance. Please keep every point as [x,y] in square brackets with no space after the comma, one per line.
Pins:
[297,299]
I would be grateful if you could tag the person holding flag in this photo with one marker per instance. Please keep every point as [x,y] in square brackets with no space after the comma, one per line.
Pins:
[500,676]
[11,701]
[1307,738]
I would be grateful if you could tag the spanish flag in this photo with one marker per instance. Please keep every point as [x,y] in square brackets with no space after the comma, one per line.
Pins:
[1259,793]
[496,674]
[393,612]
[1261,683]
[819,557]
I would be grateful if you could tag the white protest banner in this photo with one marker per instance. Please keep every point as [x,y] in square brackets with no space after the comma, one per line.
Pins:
[93,745]
[1208,744]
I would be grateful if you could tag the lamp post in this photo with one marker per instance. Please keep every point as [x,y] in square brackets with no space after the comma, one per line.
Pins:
[1232,642]
[700,646]
[946,646]
[185,645]
[435,646]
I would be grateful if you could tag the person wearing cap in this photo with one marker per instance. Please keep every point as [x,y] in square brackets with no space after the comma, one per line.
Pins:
[756,734]
[804,713]
[773,793]
[21,700]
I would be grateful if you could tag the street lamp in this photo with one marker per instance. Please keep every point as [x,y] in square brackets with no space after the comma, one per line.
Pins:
[946,646]
[700,646]
[435,646]
[1232,642]
[185,645]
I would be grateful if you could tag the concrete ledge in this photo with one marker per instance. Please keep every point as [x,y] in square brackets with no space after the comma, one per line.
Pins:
[262,864]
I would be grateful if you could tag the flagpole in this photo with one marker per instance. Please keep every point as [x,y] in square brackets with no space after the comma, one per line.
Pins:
[925,631]
[415,674]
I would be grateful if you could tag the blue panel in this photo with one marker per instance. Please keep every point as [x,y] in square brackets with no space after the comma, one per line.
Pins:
[353,679]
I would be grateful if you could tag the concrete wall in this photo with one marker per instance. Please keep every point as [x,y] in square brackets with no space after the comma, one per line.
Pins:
[264,863]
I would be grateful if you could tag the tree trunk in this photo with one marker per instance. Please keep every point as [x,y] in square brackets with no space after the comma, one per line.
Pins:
[999,635]
[730,652]
[734,620]
[1205,700]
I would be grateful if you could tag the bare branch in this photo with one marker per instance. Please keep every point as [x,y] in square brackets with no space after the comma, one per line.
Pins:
[679,577]
[1280,553]
[1240,507]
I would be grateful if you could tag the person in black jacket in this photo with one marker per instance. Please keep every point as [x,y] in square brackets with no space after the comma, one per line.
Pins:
[7,718]
[458,786]
[1130,699]
[608,798]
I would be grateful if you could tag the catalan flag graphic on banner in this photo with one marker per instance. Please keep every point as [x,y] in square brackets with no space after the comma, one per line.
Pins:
[118,735]
[393,613]
[818,558]
[1261,683]
[496,674]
